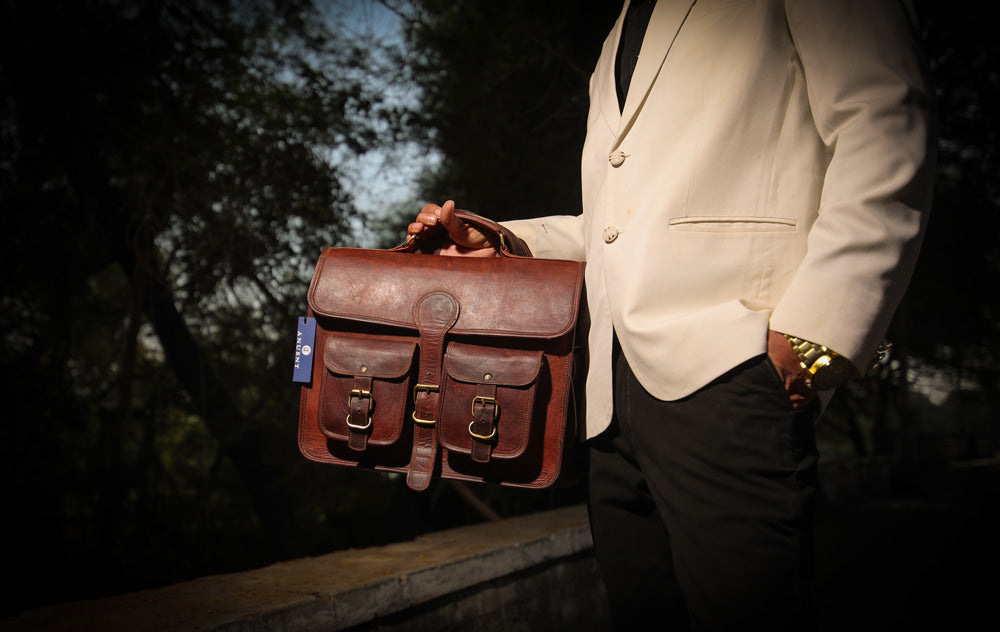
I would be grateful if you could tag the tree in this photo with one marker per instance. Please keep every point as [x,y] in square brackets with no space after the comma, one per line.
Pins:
[504,99]
[167,182]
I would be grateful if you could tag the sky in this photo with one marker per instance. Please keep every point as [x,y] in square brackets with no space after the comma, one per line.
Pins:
[380,180]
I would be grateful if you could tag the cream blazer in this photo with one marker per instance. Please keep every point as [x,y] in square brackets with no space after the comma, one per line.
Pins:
[772,167]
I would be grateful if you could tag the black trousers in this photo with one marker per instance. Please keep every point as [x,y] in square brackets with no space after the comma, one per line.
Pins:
[701,508]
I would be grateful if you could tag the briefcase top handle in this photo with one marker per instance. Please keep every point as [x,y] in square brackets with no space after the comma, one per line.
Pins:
[503,239]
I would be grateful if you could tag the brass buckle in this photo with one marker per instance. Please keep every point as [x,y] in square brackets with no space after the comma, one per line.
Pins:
[427,388]
[423,422]
[356,426]
[361,394]
[485,401]
[482,437]
[496,413]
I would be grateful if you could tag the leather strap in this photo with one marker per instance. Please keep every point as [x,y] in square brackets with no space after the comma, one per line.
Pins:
[482,428]
[359,419]
[435,313]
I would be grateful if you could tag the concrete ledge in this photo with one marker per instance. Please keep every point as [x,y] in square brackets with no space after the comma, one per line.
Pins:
[378,588]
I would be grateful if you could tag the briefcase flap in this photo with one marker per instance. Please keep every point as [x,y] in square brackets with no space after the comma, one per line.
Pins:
[497,296]
[503,367]
[348,354]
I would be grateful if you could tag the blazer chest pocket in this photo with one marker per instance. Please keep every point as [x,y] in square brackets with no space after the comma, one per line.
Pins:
[365,388]
[490,400]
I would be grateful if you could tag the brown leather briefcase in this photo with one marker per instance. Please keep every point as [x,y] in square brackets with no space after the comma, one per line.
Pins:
[440,366]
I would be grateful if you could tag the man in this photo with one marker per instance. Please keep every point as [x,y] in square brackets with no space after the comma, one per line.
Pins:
[756,180]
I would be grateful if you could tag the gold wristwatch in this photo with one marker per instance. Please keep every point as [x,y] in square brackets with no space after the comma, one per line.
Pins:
[827,368]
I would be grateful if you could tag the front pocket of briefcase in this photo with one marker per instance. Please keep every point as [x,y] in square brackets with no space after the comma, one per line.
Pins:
[488,400]
[365,388]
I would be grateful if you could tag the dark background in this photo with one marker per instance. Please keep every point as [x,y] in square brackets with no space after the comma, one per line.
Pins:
[169,171]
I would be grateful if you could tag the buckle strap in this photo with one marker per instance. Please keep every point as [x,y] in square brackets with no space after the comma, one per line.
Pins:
[360,403]
[483,428]
[424,404]
[435,313]
[424,454]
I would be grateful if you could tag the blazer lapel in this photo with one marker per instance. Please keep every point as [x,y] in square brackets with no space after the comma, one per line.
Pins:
[666,20]
[605,77]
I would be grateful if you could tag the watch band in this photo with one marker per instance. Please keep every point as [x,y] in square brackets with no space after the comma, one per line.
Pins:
[826,367]
[812,355]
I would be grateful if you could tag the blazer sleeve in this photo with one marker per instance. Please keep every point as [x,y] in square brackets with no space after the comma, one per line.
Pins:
[553,237]
[873,108]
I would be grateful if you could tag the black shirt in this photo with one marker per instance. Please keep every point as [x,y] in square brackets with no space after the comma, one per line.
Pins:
[633,30]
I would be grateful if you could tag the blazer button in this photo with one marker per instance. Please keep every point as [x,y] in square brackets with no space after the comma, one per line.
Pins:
[610,234]
[617,158]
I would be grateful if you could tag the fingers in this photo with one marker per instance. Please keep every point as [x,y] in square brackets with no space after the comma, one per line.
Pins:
[795,378]
[799,387]
[446,215]
[801,393]
[432,215]
[465,239]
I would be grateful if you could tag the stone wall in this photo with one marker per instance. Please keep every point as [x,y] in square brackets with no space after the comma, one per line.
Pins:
[528,573]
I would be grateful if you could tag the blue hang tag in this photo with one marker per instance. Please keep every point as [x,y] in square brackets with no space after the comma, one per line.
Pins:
[304,340]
